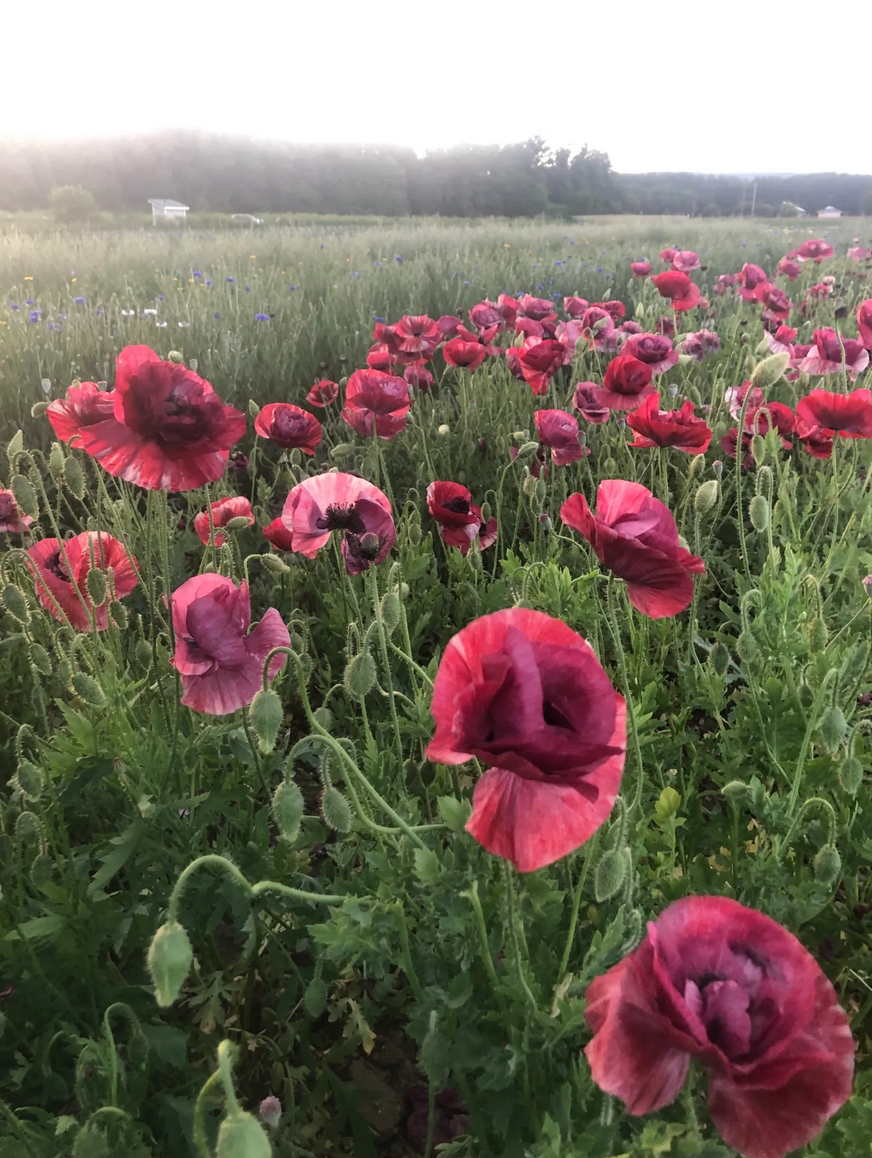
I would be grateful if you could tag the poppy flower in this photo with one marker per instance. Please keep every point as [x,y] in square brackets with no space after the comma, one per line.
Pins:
[168,430]
[575,306]
[340,502]
[832,352]
[864,324]
[679,428]
[678,287]
[759,417]
[12,519]
[323,393]
[60,571]
[559,431]
[513,361]
[667,254]
[418,336]
[418,377]
[640,268]
[626,383]
[463,354]
[655,350]
[569,334]
[615,309]
[630,327]
[665,326]
[380,356]
[540,359]
[635,536]
[859,253]
[223,510]
[723,283]
[788,268]
[537,308]
[219,660]
[463,535]
[585,402]
[508,307]
[686,260]
[700,345]
[449,325]
[384,335]
[727,985]
[485,314]
[780,342]
[774,299]
[84,405]
[529,327]
[814,250]
[748,278]
[848,415]
[525,694]
[376,403]
[597,324]
[289,426]
[450,504]
[279,535]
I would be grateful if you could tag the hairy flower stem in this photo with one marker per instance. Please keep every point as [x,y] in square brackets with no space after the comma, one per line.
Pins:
[386,664]
[615,630]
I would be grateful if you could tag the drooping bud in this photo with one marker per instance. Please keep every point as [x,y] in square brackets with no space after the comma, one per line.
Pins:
[758,449]
[611,872]
[737,793]
[266,715]
[16,604]
[766,373]
[833,727]
[169,961]
[275,564]
[74,477]
[443,430]
[528,449]
[360,676]
[486,512]
[335,810]
[287,809]
[324,717]
[758,512]
[851,775]
[747,647]
[40,659]
[96,585]
[29,779]
[529,486]
[253,408]
[38,409]
[719,658]
[25,495]
[697,464]
[118,614]
[391,610]
[706,497]
[827,865]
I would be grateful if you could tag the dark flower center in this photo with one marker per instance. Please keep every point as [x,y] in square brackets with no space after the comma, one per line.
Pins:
[55,564]
[341,517]
[458,506]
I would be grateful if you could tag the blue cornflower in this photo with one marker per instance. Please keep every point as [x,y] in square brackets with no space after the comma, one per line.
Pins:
[599,269]
[35,315]
[14,306]
[232,280]
[399,259]
[161,297]
[376,263]
[53,326]
[98,312]
[79,301]
[293,287]
[208,281]
[558,263]
[261,317]
[539,288]
[29,302]
[248,289]
[377,318]
[217,317]
[467,283]
[197,273]
[355,273]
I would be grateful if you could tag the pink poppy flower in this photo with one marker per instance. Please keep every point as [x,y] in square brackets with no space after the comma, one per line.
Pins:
[864,323]
[12,519]
[615,309]
[508,307]
[529,327]
[679,428]
[859,253]
[575,306]
[655,350]
[640,268]
[461,353]
[288,426]
[734,397]
[726,985]
[665,326]
[381,357]
[323,393]
[686,261]
[748,278]
[485,314]
[219,660]
[626,383]
[667,255]
[537,308]
[781,342]
[725,282]
[585,402]
[569,334]
[629,328]
[559,432]
[540,359]
[678,287]
[449,325]
[774,299]
[832,352]
[418,336]
[418,377]
[788,268]
[376,404]
[340,502]
[525,695]
[845,415]
[513,361]
[384,335]
[820,292]
[223,510]
[815,250]
[168,430]
[700,345]
[60,572]
[84,405]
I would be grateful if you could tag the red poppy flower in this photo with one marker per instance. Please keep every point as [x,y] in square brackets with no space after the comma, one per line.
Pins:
[485,314]
[537,308]
[635,536]
[653,349]
[219,660]
[575,306]
[814,250]
[615,309]
[84,405]
[448,325]
[815,441]
[464,354]
[530,328]
[774,299]
[818,292]
[418,336]
[60,570]
[848,415]
[381,357]
[569,334]
[464,535]
[376,403]
[667,254]
[418,377]
[169,430]
[12,519]
[384,335]
[759,417]
[597,324]
[781,342]
[279,535]
[726,985]
[223,510]
[723,283]
[788,268]
[559,431]
[289,426]
[626,383]
[450,504]
[686,260]
[700,345]
[540,359]
[513,361]
[748,278]
[864,323]
[833,352]
[585,402]
[508,307]
[640,268]
[525,695]
[678,287]
[323,393]
[340,502]
[678,428]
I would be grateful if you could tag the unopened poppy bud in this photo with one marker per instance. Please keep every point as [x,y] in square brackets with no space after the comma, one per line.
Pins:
[833,727]
[56,461]
[15,445]
[275,564]
[717,468]
[287,809]
[41,869]
[851,775]
[87,689]
[541,490]
[360,676]
[175,356]
[74,477]
[242,1136]
[706,496]
[443,429]
[315,997]
[38,409]
[96,585]
[404,591]
[697,463]
[16,604]
[270,1111]
[237,523]
[391,610]
[766,373]
[486,511]
[758,449]
[482,445]
[529,486]
[761,347]
[25,496]
[867,586]
[342,450]
[528,449]
[611,872]
[414,534]
[29,780]
[27,826]
[142,653]
[610,468]
[335,810]
[817,634]
[253,408]
[40,659]
[324,717]
[719,657]
[854,664]
[827,865]
[521,436]
[545,523]
[737,793]
[169,961]
[758,512]
[266,715]
[747,647]
[118,614]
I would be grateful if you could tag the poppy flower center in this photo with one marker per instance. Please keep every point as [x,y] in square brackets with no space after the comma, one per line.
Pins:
[55,564]
[458,506]
[341,517]
[7,510]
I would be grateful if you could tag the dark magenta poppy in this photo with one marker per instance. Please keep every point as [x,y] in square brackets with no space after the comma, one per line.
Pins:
[748,278]
[626,383]
[289,426]
[376,403]
[774,299]
[700,345]
[832,353]
[450,504]
[449,325]
[559,432]
[381,357]
[616,310]
[667,254]
[585,402]
[679,428]
[655,350]
[725,282]
[485,314]
[575,306]
[419,377]
[537,308]
[323,393]
[864,323]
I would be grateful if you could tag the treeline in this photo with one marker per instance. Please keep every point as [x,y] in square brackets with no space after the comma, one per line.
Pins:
[230,175]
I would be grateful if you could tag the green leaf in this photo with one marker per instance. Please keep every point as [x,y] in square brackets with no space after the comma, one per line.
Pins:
[454,812]
[37,927]
[427,867]
[167,1043]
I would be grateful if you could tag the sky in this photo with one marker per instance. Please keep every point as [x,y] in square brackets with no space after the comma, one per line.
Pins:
[684,86]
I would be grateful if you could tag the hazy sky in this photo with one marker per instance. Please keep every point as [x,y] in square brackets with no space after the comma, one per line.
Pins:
[737,88]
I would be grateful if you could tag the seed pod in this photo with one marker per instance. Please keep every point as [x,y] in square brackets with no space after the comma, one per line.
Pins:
[827,865]
[360,676]
[242,1136]
[56,461]
[287,809]
[16,604]
[766,373]
[96,585]
[74,477]
[335,810]
[266,715]
[315,997]
[29,779]
[391,610]
[40,659]
[747,647]
[611,872]
[719,658]
[851,775]
[87,689]
[169,961]
[25,495]
[706,497]
[758,512]
[833,727]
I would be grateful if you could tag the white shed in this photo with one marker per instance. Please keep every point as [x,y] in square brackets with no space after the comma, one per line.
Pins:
[830,211]
[167,208]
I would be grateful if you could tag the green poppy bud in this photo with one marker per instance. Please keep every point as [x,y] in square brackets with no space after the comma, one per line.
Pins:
[391,610]
[360,676]
[747,647]
[827,865]
[56,461]
[287,809]
[275,564]
[266,715]
[758,512]
[833,727]
[737,793]
[40,659]
[87,689]
[242,1136]
[96,585]
[851,775]
[74,477]
[335,810]
[719,657]
[175,356]
[16,604]
[315,997]
[169,961]
[25,495]
[706,497]
[611,872]
[766,373]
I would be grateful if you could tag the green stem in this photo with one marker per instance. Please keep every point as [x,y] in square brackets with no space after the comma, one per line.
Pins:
[513,935]
[589,855]
[199,1114]
[386,663]
[615,631]
[471,894]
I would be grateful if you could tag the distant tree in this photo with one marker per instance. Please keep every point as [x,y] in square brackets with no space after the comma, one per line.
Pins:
[787,209]
[72,203]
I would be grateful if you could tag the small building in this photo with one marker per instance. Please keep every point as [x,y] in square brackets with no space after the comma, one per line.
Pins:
[800,212]
[830,211]
[165,207]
